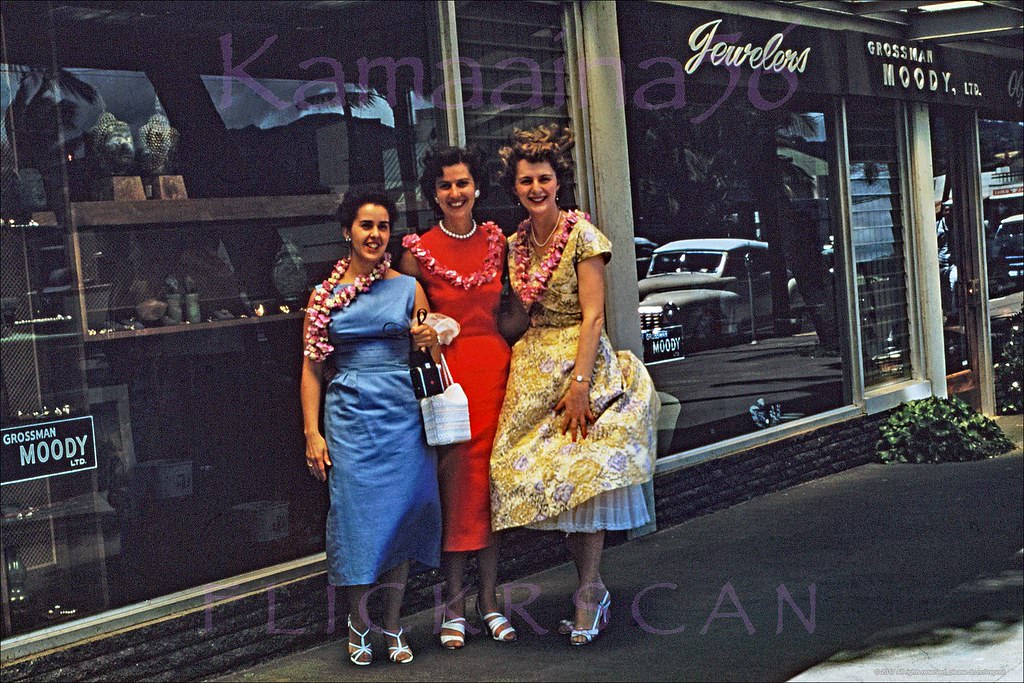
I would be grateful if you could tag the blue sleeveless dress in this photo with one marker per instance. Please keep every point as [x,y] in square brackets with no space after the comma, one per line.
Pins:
[383,479]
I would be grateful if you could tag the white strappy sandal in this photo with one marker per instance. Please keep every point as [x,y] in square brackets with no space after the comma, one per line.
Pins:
[364,648]
[458,625]
[498,626]
[585,636]
[398,649]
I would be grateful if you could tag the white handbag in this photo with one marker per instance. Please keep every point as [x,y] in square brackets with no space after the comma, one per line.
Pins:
[446,415]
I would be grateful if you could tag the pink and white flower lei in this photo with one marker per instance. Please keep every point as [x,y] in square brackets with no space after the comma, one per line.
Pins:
[533,284]
[490,269]
[326,299]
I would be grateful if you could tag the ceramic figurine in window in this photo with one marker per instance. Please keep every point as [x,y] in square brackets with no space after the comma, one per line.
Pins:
[174,309]
[112,145]
[289,272]
[157,143]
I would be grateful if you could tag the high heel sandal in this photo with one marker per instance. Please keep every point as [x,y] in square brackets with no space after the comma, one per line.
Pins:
[585,636]
[364,648]
[500,628]
[398,649]
[458,625]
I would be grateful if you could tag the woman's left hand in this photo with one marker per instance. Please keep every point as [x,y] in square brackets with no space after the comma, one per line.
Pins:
[423,336]
[575,410]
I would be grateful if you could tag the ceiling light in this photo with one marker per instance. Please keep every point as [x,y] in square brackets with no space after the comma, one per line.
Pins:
[944,6]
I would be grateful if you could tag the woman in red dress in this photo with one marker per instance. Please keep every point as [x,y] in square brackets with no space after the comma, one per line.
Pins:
[459,264]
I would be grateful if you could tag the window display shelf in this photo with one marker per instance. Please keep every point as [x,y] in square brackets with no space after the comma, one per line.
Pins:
[219,210]
[190,327]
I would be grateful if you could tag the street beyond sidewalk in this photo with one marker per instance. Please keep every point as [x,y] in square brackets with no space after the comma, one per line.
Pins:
[873,556]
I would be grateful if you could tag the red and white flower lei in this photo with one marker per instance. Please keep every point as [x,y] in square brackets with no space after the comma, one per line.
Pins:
[532,285]
[326,299]
[490,269]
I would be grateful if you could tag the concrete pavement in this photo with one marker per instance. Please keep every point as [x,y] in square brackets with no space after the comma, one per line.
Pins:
[896,572]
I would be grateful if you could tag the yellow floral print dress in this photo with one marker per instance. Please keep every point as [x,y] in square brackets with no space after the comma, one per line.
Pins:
[537,472]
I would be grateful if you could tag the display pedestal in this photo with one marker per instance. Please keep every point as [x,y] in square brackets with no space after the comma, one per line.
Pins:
[165,187]
[120,188]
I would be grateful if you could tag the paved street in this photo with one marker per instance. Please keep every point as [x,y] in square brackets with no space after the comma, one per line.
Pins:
[894,556]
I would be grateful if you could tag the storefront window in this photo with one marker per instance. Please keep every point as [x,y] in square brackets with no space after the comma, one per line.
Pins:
[878,243]
[170,173]
[1002,185]
[512,60]
[739,296]
[950,236]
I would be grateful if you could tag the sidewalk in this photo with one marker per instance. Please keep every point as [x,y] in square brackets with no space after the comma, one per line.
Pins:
[908,572]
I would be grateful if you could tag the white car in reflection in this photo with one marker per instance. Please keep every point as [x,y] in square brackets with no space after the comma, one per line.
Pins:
[706,290]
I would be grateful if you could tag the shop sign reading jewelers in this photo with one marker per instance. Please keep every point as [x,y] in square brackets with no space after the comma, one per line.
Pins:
[48,449]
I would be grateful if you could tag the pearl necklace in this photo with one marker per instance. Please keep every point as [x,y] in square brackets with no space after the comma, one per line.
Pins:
[533,234]
[455,235]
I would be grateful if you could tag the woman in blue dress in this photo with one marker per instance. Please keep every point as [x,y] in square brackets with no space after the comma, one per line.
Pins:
[381,475]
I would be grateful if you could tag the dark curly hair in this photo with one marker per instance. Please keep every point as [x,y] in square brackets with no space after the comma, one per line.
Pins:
[436,160]
[550,143]
[353,201]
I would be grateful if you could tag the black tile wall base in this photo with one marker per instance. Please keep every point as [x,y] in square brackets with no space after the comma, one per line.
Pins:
[302,614]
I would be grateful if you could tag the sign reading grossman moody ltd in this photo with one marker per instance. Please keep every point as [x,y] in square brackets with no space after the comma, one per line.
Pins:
[924,72]
[47,449]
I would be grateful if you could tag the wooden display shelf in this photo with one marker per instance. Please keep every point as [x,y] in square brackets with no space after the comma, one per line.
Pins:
[190,327]
[217,210]
[149,212]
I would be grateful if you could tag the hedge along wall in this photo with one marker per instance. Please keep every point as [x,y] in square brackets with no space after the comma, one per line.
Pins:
[298,615]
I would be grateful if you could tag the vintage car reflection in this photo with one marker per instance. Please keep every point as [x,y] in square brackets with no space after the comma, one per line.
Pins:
[1006,257]
[703,292]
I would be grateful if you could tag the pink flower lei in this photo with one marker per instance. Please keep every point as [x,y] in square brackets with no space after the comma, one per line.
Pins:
[326,299]
[532,285]
[490,269]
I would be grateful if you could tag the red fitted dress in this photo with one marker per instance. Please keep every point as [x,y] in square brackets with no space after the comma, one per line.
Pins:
[478,358]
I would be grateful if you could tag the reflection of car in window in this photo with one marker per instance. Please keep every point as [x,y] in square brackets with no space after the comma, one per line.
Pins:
[708,288]
[644,248]
[1007,249]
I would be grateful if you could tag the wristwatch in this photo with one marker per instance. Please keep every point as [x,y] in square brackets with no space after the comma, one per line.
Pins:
[581,379]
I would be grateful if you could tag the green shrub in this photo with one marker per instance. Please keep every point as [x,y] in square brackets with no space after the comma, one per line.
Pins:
[1009,365]
[939,430]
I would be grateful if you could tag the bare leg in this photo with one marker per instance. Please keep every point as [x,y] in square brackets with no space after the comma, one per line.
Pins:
[393,596]
[392,610]
[588,566]
[487,563]
[359,620]
[455,567]
[453,626]
[498,625]
[572,542]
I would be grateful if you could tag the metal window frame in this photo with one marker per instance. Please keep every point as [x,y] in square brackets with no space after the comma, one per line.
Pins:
[161,608]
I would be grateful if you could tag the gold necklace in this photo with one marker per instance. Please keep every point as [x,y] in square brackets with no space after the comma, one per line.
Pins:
[533,232]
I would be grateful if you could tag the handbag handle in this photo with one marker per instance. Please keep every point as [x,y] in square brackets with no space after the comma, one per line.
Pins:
[446,374]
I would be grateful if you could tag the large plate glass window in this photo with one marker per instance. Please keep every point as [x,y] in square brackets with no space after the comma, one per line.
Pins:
[740,299]
[513,65]
[1002,189]
[170,175]
[876,215]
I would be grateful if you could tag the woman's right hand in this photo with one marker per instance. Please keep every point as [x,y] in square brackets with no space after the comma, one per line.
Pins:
[317,459]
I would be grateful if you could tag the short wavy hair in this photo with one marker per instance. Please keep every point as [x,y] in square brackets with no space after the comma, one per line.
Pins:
[436,160]
[550,142]
[353,201]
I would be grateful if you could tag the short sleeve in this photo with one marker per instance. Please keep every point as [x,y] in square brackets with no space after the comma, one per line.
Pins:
[591,242]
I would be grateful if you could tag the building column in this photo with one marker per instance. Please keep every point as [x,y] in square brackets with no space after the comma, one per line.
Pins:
[926,249]
[603,105]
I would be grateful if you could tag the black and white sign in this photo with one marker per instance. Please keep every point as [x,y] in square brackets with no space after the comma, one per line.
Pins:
[48,449]
[663,343]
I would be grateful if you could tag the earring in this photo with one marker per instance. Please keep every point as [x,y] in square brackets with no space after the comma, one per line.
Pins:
[348,239]
[476,193]
[437,200]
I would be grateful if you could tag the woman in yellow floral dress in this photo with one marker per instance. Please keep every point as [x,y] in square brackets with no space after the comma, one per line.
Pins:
[576,435]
